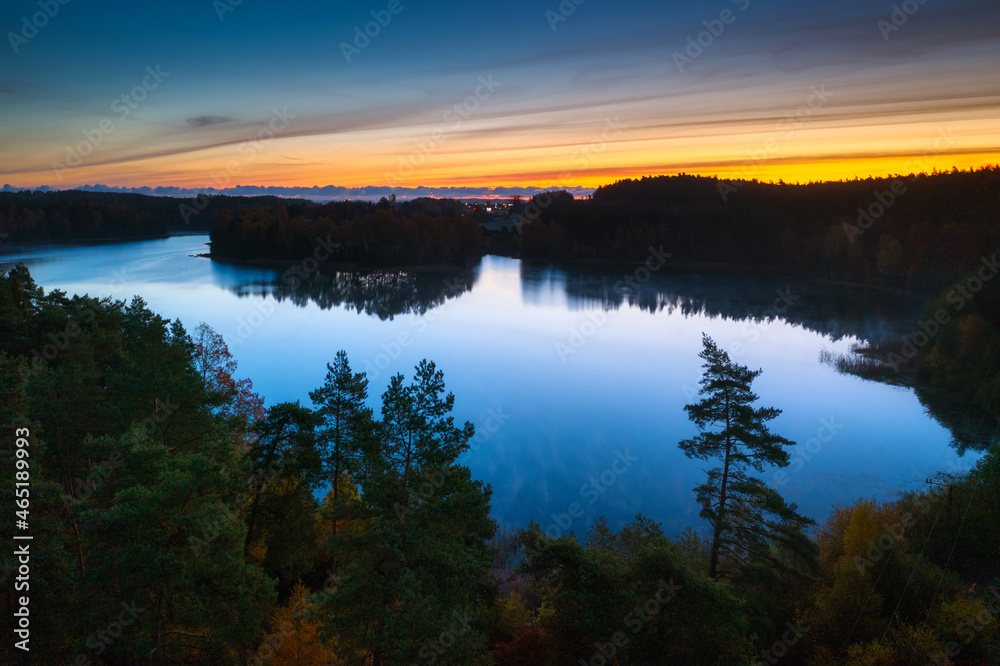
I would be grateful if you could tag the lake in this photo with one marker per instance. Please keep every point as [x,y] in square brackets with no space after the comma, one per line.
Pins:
[576,379]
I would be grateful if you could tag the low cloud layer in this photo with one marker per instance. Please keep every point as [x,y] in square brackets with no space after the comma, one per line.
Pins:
[330,192]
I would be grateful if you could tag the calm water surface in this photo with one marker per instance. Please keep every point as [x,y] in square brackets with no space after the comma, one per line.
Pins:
[582,384]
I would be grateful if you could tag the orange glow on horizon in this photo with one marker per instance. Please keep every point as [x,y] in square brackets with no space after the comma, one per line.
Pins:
[576,156]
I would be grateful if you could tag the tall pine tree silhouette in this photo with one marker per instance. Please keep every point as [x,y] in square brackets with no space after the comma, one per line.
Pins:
[749,519]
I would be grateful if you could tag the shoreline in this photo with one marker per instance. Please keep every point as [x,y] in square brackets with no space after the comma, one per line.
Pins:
[719,267]
[332,267]
[749,269]
[89,242]
[353,267]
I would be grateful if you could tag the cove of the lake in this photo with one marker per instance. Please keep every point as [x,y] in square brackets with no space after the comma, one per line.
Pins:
[575,379]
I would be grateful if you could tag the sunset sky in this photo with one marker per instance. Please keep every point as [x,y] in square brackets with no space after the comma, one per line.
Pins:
[262,94]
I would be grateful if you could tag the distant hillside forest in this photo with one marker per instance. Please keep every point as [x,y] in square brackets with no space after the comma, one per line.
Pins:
[911,232]
[915,232]
[75,216]
[419,232]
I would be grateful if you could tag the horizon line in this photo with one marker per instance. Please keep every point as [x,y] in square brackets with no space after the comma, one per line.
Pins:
[442,191]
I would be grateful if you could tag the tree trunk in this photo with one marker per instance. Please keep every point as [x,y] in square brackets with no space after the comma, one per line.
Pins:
[713,567]
[336,505]
[252,519]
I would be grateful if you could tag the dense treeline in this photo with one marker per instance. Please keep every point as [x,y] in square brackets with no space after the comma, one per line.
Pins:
[933,234]
[420,232]
[176,520]
[84,216]
[914,232]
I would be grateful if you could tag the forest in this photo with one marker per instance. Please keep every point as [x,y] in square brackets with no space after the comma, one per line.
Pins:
[177,519]
[915,232]
[75,216]
[934,235]
[415,233]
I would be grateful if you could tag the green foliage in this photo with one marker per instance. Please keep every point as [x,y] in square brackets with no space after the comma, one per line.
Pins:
[134,481]
[630,597]
[171,513]
[880,597]
[748,518]
[938,226]
[285,469]
[416,561]
[159,534]
[347,232]
[73,215]
[345,420]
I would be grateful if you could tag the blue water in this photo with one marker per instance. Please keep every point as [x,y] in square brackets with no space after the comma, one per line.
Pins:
[566,378]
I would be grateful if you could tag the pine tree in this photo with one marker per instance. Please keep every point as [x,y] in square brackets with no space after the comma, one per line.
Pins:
[747,517]
[161,538]
[418,569]
[340,403]
[284,451]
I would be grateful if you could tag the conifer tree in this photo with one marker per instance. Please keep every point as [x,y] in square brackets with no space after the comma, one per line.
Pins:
[748,519]
[419,568]
[345,420]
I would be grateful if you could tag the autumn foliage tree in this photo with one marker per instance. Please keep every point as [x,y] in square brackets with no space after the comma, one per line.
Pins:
[236,398]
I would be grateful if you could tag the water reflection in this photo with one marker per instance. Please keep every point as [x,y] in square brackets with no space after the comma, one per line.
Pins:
[380,294]
[496,330]
[973,426]
[835,311]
